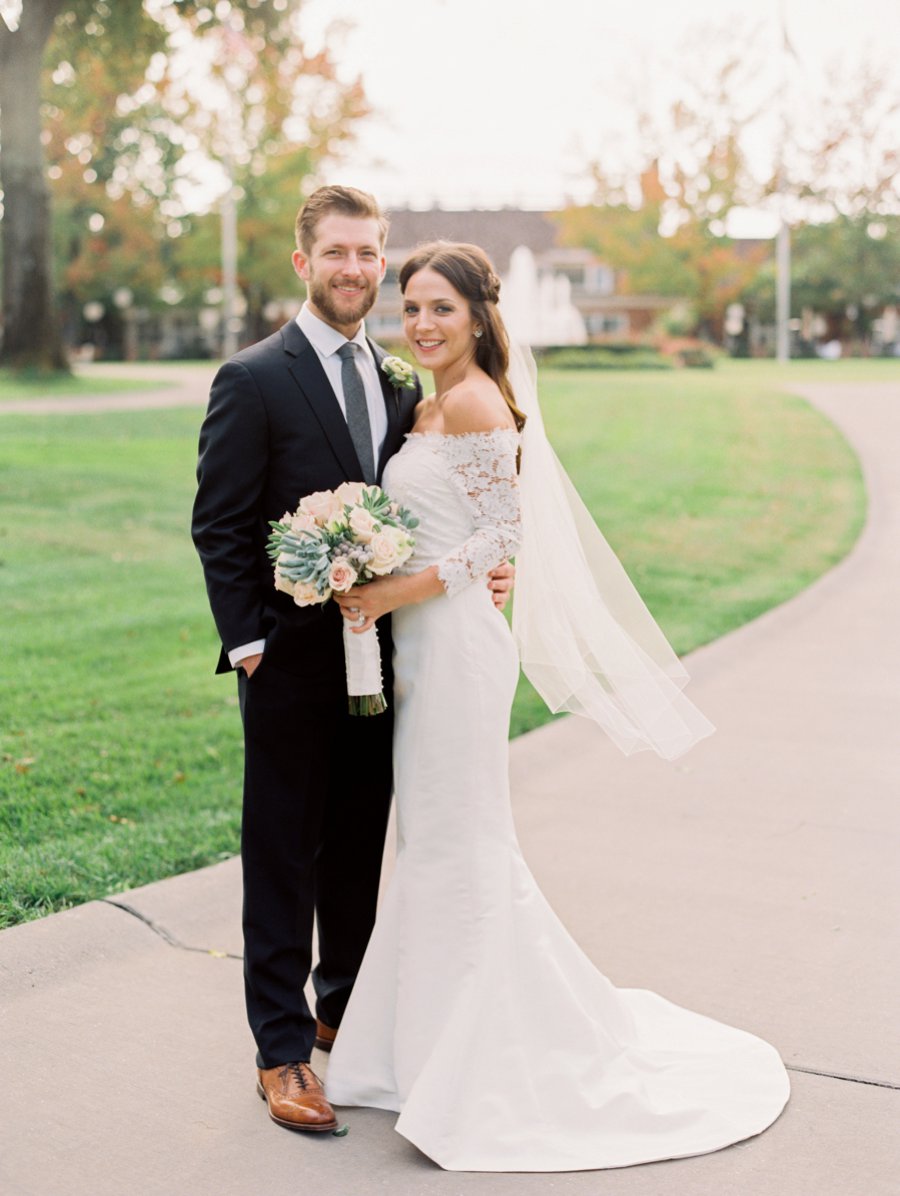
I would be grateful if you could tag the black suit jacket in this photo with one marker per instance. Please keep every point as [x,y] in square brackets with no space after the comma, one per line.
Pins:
[274,432]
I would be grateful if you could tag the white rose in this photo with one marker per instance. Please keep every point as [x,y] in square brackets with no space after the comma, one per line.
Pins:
[323,506]
[350,492]
[341,576]
[398,535]
[306,594]
[385,556]
[362,524]
[401,540]
[301,522]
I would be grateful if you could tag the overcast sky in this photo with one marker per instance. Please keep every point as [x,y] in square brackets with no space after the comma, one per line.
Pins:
[493,102]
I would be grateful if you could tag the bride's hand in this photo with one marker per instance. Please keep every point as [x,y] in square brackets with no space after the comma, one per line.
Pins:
[362,605]
[500,582]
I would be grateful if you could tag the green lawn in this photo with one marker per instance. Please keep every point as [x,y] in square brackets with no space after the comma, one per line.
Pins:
[121,755]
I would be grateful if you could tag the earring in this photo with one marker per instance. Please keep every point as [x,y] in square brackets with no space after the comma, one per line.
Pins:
[477,332]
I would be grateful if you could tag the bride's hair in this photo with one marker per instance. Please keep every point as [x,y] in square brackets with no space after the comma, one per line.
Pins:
[468,269]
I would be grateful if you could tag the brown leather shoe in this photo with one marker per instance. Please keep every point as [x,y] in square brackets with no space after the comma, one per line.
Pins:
[295,1097]
[325,1036]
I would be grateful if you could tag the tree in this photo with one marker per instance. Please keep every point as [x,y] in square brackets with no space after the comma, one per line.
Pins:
[118,129]
[660,218]
[842,155]
[111,159]
[839,186]
[848,269]
[31,333]
[110,44]
[692,262]
[269,114]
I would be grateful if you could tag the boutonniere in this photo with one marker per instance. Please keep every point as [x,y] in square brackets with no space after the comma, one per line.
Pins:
[400,373]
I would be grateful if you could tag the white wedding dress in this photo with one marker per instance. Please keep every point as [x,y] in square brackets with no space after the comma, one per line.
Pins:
[476,1016]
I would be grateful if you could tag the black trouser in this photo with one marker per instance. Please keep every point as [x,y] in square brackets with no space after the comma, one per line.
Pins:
[317,790]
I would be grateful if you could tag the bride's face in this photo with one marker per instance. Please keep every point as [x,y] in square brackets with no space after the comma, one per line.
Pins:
[437,321]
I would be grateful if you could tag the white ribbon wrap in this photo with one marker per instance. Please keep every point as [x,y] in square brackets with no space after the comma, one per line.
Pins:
[363,657]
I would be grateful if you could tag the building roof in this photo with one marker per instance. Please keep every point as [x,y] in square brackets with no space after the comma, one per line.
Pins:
[498,232]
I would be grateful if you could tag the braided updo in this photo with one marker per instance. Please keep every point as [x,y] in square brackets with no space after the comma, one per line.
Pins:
[490,288]
[468,269]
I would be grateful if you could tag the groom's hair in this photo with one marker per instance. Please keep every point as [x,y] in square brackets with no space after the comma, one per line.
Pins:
[347,201]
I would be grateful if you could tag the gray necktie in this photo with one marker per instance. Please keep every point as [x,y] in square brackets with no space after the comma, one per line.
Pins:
[357,410]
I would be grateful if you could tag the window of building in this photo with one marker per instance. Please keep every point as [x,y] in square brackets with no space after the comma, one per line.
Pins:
[599,280]
[604,324]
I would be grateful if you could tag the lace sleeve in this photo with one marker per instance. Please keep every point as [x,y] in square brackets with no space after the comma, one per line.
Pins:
[483,470]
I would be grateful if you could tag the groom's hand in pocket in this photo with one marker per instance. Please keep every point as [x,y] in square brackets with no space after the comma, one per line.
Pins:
[500,583]
[250,663]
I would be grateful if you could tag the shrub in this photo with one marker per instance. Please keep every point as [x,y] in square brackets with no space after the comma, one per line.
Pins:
[619,356]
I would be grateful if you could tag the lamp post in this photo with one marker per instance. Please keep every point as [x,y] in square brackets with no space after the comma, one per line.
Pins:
[237,52]
[783,237]
[229,265]
[123,298]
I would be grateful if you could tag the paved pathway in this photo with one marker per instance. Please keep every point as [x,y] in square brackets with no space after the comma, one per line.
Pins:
[186,386]
[756,881]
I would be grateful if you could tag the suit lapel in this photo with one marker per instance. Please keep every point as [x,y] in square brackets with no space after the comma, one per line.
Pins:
[307,372]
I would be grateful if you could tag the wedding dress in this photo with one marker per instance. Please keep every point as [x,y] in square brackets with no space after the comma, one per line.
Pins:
[476,1016]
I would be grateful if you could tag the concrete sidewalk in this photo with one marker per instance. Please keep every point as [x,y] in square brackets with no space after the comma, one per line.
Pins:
[755,881]
[184,386]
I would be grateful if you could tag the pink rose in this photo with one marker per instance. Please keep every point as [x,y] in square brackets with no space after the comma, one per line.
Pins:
[341,576]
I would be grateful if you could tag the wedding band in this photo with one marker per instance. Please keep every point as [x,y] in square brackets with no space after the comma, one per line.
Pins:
[360,620]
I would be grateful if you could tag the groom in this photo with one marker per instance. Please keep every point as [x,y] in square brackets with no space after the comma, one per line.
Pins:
[303,410]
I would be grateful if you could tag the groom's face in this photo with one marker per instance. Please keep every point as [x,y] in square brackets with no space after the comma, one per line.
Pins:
[343,269]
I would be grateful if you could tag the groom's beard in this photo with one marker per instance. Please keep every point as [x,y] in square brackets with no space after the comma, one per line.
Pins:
[340,312]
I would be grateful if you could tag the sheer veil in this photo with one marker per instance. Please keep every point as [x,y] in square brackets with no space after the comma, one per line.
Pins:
[586,640]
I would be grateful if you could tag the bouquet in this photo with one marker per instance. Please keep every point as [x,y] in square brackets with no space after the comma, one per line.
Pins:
[337,539]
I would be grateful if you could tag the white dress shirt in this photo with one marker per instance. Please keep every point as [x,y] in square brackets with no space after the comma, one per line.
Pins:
[326,341]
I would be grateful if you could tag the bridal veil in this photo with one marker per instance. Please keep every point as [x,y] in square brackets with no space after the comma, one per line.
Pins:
[586,640]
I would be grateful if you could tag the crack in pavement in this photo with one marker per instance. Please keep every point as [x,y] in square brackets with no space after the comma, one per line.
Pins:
[837,1075]
[166,935]
[170,938]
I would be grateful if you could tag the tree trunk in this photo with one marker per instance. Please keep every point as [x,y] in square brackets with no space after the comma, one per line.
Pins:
[31,333]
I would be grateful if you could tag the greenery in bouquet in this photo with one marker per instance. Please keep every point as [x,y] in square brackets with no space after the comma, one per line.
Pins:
[337,539]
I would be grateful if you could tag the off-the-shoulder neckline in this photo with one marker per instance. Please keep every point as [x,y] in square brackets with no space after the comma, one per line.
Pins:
[463,435]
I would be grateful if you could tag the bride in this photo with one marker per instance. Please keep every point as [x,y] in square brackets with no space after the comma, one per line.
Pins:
[475,1015]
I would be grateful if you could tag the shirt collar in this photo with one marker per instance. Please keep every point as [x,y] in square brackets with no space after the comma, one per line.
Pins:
[325,339]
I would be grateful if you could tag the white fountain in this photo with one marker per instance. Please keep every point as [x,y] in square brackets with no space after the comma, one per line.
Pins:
[537,306]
